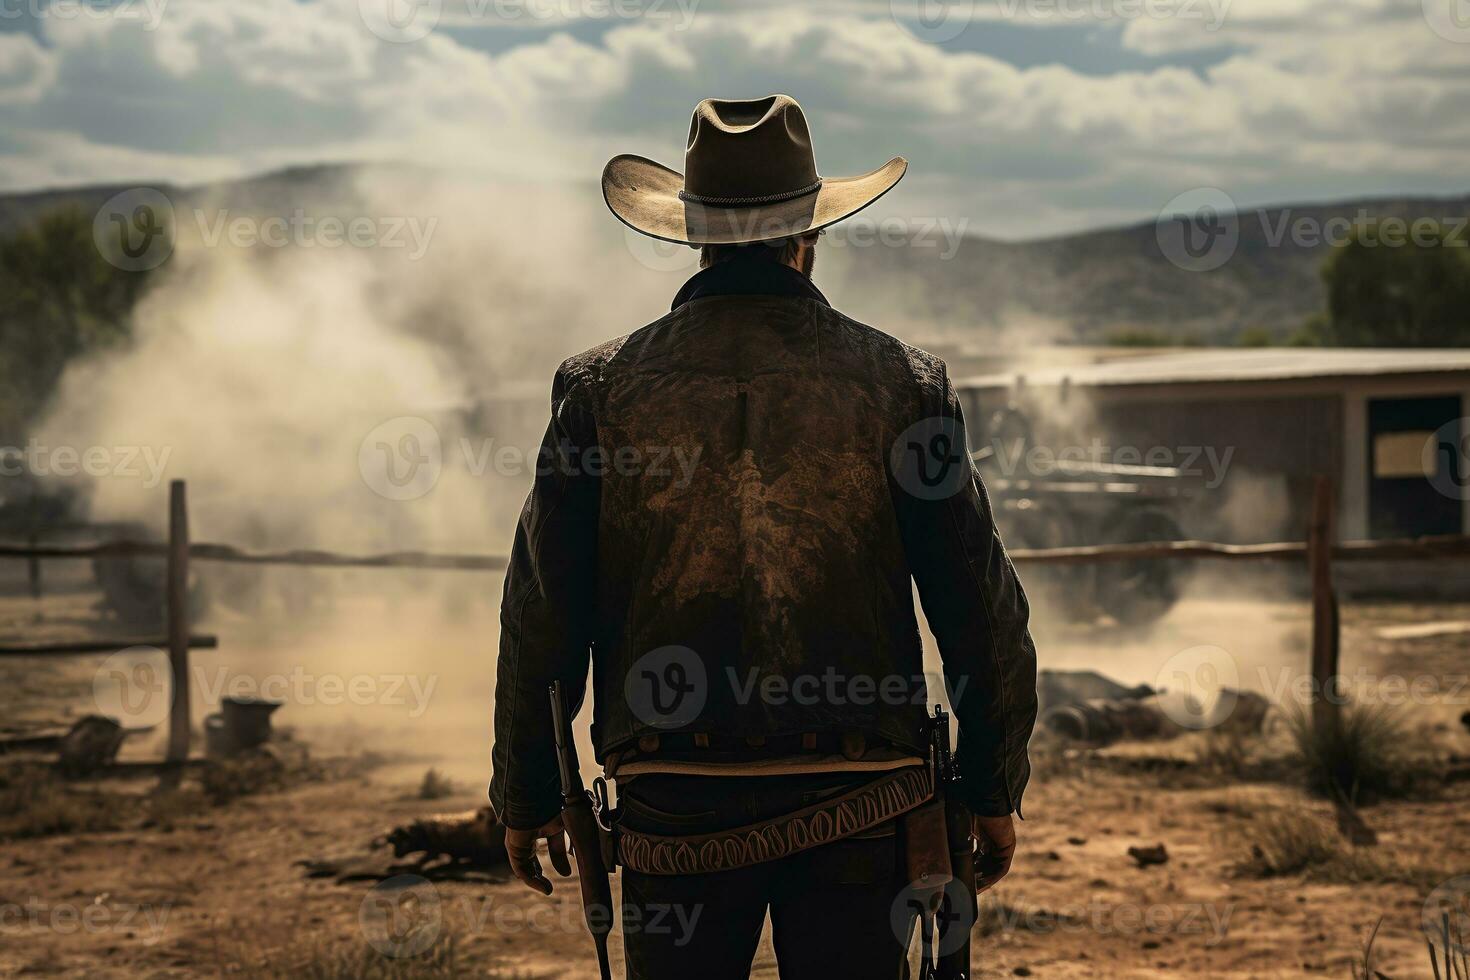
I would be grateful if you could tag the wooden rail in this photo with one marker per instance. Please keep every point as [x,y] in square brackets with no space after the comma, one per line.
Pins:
[1397,549]
[129,548]
[76,648]
[1319,552]
[1440,547]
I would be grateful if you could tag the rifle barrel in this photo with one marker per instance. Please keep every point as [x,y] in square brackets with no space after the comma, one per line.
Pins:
[571,783]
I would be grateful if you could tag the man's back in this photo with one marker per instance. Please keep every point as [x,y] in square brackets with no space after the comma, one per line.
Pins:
[731,509]
[755,528]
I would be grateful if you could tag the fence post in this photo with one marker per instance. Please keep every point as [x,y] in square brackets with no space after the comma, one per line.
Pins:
[178,621]
[33,567]
[1326,627]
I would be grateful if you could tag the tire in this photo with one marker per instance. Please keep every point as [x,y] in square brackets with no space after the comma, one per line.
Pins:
[1138,593]
[1061,588]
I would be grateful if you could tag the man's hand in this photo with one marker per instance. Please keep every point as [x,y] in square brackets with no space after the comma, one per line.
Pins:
[996,840]
[520,846]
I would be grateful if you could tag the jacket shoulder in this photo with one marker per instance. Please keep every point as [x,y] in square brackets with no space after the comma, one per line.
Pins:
[583,370]
[923,367]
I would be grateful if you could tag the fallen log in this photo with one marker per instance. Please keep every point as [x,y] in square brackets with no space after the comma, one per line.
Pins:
[474,837]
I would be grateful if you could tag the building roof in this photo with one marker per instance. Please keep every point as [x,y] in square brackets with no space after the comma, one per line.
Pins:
[1222,365]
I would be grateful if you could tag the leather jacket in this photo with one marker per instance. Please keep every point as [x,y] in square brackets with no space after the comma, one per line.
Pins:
[729,509]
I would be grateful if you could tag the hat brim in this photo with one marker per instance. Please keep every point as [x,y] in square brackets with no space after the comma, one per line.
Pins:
[645,196]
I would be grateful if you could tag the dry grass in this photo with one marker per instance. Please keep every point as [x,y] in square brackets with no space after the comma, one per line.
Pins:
[1363,966]
[1449,949]
[435,786]
[1227,752]
[322,960]
[35,802]
[1281,842]
[996,917]
[1277,842]
[229,779]
[1365,753]
[1449,952]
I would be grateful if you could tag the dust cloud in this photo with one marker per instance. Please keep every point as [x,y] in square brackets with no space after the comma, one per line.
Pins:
[271,378]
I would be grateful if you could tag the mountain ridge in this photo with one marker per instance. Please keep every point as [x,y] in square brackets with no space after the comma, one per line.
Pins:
[1086,287]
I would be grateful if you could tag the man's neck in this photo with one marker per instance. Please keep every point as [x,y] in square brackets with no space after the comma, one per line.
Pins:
[749,277]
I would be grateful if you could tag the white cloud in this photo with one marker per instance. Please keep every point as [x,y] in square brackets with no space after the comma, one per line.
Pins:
[26,71]
[1351,90]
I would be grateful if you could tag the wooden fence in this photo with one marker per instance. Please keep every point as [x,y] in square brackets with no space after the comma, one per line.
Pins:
[1319,552]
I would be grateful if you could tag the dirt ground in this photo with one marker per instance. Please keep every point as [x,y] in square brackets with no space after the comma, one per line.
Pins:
[205,889]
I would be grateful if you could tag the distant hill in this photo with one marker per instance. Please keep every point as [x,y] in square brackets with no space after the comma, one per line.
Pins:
[1087,287]
[1096,284]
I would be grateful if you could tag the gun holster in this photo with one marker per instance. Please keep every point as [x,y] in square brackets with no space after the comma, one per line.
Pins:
[939,860]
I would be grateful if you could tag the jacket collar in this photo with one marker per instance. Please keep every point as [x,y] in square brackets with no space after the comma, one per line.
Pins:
[739,276]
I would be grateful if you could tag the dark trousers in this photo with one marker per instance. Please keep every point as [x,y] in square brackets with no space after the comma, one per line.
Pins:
[836,910]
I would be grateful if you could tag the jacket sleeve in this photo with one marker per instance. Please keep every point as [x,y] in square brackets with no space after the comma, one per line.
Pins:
[973,601]
[546,615]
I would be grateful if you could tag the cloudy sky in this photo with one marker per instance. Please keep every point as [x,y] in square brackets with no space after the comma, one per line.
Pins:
[1023,117]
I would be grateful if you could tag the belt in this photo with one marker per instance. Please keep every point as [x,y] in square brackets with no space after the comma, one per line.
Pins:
[866,807]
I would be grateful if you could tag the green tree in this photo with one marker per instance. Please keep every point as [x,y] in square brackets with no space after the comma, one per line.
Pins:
[58,298]
[1389,288]
[1256,336]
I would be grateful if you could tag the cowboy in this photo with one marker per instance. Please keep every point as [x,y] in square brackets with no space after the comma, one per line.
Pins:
[759,694]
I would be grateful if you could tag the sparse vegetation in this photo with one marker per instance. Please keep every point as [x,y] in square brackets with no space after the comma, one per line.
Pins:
[319,960]
[435,785]
[347,961]
[995,917]
[1450,955]
[1363,753]
[1286,842]
[59,299]
[1277,842]
[224,780]
[1052,759]
[1363,967]
[1256,336]
[35,801]
[1142,337]
[1411,293]
[1449,952]
[1225,752]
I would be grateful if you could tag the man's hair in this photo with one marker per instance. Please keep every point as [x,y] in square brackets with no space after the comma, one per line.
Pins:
[779,250]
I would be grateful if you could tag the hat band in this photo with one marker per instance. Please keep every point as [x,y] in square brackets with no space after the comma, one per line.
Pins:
[735,202]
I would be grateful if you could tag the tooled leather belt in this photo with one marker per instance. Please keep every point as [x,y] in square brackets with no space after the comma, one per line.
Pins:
[866,807]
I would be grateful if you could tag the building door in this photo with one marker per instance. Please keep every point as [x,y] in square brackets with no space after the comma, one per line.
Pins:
[1416,483]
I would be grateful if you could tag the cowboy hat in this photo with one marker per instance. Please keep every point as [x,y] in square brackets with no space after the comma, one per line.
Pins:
[749,176]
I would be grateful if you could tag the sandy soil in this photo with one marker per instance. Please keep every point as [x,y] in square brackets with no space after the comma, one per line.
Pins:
[214,889]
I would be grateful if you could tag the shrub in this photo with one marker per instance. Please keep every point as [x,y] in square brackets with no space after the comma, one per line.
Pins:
[35,802]
[1285,842]
[435,786]
[1362,753]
